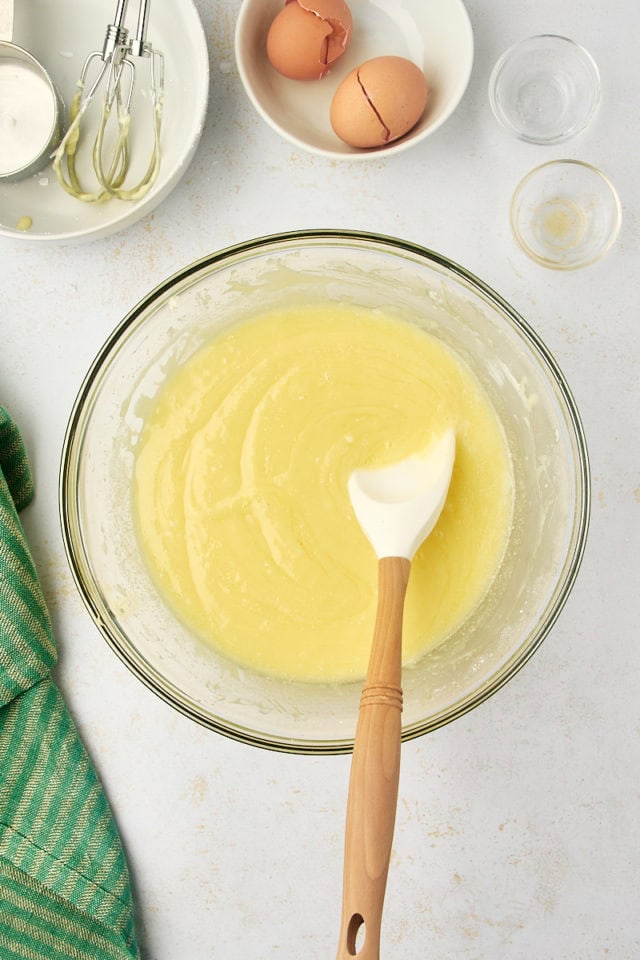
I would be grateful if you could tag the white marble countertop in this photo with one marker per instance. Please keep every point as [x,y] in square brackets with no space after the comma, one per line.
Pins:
[517,825]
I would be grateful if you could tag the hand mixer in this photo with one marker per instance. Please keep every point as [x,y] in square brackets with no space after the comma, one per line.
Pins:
[116,75]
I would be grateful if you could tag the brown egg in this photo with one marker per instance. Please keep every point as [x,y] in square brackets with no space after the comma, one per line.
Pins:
[378,102]
[308,36]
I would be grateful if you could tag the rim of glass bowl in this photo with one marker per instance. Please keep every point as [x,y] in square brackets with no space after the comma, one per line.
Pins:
[72,447]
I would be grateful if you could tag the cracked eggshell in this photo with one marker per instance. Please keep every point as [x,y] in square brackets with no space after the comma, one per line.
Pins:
[379,102]
[308,36]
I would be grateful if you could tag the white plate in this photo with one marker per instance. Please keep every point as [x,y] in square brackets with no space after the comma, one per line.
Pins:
[60,33]
[434,34]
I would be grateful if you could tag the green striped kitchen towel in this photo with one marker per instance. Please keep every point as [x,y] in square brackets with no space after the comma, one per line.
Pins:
[64,884]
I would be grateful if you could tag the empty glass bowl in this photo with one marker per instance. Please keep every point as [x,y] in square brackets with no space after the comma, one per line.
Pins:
[545,89]
[565,214]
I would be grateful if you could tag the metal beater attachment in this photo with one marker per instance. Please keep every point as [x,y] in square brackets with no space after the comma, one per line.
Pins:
[116,76]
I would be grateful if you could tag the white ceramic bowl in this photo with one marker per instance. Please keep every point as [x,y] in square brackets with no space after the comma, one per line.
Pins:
[60,34]
[521,378]
[434,34]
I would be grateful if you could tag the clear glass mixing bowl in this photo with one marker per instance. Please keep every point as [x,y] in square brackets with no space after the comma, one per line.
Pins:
[523,381]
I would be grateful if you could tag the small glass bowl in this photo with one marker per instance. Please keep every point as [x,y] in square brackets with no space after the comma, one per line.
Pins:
[565,214]
[545,89]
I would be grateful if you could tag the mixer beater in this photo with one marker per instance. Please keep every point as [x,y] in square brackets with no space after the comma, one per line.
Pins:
[116,77]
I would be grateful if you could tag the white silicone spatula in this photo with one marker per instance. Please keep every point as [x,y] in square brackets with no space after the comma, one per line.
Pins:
[397,507]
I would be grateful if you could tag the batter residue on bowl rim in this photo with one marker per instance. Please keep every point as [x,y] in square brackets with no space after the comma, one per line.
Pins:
[240,488]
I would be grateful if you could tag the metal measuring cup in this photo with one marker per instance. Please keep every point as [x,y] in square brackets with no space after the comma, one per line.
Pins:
[30,107]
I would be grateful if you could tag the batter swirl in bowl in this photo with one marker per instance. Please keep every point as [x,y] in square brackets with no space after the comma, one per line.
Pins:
[241,496]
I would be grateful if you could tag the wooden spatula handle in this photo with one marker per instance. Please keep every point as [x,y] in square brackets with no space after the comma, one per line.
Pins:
[375,769]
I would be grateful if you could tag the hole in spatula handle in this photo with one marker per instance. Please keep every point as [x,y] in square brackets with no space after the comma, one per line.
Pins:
[355,935]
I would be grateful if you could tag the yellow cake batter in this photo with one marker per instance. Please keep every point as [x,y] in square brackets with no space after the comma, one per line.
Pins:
[241,488]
